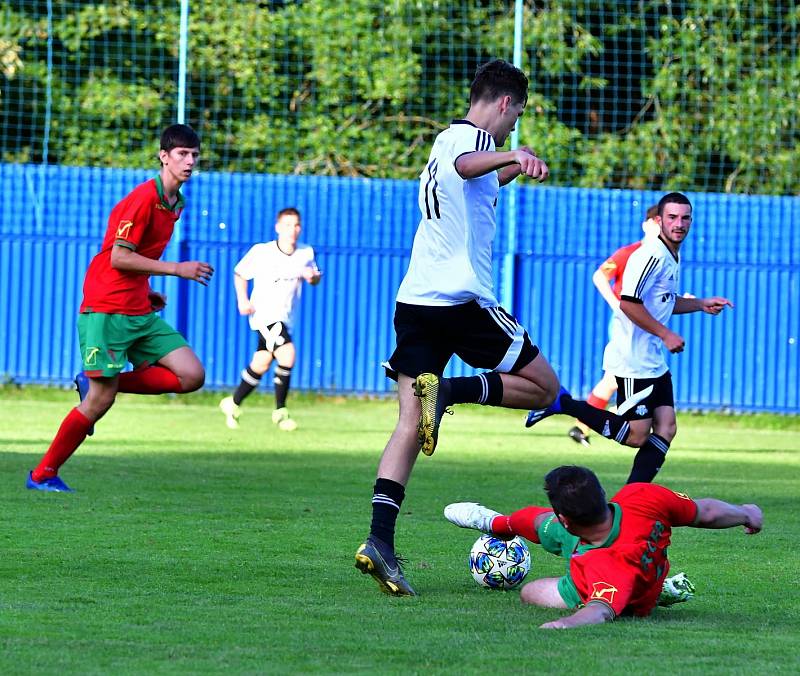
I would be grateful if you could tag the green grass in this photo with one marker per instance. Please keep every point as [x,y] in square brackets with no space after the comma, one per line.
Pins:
[189,548]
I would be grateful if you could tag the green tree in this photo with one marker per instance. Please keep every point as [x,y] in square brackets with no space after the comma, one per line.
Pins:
[697,95]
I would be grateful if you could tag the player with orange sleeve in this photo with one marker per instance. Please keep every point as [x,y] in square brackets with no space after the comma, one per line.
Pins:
[616,551]
[608,281]
[118,323]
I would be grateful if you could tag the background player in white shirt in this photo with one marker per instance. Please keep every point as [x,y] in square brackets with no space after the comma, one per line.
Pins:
[608,281]
[278,270]
[645,417]
[446,303]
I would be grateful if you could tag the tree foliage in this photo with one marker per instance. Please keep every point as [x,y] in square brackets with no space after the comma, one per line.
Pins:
[697,95]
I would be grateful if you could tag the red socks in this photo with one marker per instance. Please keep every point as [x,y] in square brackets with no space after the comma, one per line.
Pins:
[70,435]
[149,380]
[597,402]
[519,523]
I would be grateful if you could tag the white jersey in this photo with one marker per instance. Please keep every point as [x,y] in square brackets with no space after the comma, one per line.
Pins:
[277,281]
[651,278]
[451,260]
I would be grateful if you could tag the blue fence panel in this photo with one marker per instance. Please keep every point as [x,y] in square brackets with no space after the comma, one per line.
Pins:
[52,220]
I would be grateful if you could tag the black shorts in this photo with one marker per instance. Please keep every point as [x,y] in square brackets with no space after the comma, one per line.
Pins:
[484,338]
[273,337]
[637,398]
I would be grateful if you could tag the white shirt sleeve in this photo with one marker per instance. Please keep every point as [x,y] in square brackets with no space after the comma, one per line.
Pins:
[247,267]
[640,274]
[470,140]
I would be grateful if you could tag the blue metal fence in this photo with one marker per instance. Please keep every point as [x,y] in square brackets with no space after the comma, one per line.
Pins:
[52,220]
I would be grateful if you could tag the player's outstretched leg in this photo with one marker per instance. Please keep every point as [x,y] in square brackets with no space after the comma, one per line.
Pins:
[607,424]
[538,414]
[470,515]
[434,395]
[376,558]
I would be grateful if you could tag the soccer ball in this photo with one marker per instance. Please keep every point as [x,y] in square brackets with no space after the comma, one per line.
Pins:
[499,564]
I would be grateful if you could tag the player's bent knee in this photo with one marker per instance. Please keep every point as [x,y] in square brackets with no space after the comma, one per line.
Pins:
[190,382]
[543,593]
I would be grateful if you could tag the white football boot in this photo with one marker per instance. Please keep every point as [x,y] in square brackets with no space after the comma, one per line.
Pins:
[470,515]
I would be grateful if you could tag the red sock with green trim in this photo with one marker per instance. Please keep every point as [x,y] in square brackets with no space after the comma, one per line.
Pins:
[70,435]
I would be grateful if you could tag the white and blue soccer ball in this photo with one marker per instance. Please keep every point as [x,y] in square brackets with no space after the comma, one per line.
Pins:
[499,564]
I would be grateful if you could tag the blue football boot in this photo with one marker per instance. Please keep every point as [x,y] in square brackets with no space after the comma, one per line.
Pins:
[538,414]
[52,485]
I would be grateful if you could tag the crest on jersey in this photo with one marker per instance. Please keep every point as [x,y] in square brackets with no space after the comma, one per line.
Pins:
[641,409]
[124,229]
[682,495]
[602,591]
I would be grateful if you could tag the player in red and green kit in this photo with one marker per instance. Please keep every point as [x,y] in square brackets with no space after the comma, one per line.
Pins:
[617,551]
[118,323]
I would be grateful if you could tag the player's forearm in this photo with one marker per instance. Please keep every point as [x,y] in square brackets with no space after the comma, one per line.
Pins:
[604,289]
[508,174]
[639,315]
[594,613]
[126,260]
[713,513]
[240,285]
[686,305]
[473,165]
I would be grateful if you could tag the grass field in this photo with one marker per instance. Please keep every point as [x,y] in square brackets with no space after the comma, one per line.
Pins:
[189,548]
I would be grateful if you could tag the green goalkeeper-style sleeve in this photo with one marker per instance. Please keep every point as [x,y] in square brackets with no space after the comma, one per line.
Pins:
[555,538]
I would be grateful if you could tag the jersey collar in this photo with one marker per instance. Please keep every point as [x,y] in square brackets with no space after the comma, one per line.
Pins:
[160,189]
[471,124]
[671,253]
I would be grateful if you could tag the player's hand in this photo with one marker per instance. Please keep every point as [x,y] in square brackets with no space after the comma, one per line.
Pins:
[158,301]
[530,165]
[673,342]
[197,271]
[715,304]
[555,624]
[246,307]
[312,274]
[755,519]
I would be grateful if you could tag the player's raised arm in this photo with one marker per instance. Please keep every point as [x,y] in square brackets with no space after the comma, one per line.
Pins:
[713,305]
[520,161]
[713,513]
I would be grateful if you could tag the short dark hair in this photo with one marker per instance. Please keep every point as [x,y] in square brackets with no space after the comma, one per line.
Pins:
[575,492]
[288,211]
[498,78]
[672,198]
[179,136]
[652,212]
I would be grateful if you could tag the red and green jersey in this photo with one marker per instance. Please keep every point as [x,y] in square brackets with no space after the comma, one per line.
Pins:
[626,572]
[614,266]
[143,222]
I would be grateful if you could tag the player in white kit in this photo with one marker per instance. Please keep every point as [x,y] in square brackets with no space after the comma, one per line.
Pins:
[645,417]
[277,270]
[446,303]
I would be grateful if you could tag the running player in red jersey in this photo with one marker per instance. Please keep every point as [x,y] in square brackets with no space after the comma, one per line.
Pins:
[608,281]
[616,551]
[117,323]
